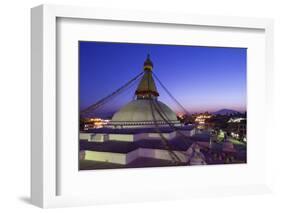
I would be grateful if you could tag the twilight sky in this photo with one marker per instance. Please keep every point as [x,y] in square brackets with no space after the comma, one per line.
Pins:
[200,78]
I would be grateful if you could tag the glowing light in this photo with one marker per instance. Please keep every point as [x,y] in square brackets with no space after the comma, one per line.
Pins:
[180,115]
[95,123]
[201,118]
[235,135]
[236,120]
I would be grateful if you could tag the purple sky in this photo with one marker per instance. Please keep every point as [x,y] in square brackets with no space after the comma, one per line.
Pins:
[200,78]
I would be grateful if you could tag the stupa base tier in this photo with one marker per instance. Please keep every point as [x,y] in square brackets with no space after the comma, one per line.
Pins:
[134,134]
[196,150]
[144,124]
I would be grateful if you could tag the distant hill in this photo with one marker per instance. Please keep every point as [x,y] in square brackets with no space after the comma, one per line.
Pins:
[226,112]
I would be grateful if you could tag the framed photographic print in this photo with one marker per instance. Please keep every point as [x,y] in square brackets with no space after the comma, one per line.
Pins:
[148,105]
[142,124]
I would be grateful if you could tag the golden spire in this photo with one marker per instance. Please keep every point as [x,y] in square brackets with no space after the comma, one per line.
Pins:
[148,65]
[146,88]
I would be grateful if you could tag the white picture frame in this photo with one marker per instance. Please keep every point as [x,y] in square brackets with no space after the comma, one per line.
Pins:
[44,153]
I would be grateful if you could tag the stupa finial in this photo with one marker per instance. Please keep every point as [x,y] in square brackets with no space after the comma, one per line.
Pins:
[148,65]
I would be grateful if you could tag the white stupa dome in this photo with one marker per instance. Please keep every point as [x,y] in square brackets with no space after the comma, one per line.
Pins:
[140,110]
